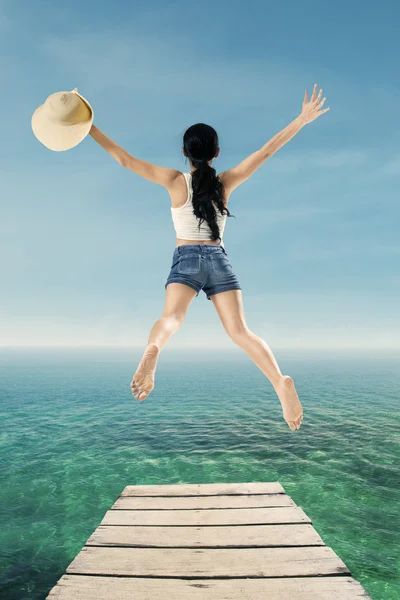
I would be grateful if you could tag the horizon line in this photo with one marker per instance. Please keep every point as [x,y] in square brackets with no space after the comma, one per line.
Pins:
[196,347]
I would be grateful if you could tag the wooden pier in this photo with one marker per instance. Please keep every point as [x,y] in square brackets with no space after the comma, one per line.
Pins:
[246,541]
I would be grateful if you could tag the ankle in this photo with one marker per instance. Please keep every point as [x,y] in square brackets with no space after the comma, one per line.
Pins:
[276,380]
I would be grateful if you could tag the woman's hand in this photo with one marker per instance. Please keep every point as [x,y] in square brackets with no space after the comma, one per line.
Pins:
[311,110]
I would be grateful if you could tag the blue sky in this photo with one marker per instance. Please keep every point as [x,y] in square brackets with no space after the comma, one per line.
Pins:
[86,246]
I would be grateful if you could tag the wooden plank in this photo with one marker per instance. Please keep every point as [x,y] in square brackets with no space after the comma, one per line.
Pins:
[206,541]
[181,537]
[262,516]
[246,562]
[199,502]
[81,587]
[204,489]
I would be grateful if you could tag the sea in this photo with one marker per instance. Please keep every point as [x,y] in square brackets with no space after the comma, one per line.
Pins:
[72,437]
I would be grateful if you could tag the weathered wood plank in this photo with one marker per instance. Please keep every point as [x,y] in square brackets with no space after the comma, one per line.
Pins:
[192,502]
[206,517]
[217,537]
[81,587]
[246,562]
[204,489]
[157,539]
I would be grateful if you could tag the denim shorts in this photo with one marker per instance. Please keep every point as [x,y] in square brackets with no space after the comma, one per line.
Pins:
[203,267]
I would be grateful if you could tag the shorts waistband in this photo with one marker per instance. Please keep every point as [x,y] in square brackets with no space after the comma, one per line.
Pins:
[201,248]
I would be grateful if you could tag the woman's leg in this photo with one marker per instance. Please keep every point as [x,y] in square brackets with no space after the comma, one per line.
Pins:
[229,306]
[177,301]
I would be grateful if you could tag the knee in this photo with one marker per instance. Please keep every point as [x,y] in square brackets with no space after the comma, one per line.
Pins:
[239,334]
[173,321]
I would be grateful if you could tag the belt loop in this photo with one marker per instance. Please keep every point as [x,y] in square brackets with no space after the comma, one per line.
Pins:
[178,249]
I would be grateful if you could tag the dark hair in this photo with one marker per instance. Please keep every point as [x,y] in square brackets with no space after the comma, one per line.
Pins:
[200,144]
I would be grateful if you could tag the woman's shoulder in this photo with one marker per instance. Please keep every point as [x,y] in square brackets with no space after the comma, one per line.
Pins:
[179,191]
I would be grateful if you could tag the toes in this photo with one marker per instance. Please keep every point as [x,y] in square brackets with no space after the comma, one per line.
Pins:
[295,424]
[298,422]
[138,393]
[135,390]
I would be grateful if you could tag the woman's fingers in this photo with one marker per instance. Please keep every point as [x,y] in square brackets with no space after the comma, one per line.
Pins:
[312,109]
[314,97]
[314,93]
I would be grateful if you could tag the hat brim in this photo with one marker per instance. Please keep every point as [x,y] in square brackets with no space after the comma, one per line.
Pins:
[56,136]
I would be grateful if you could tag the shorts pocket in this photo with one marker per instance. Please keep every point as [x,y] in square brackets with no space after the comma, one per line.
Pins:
[175,263]
[189,264]
[221,264]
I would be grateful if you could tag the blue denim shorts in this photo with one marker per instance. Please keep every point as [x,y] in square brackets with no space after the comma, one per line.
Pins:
[203,267]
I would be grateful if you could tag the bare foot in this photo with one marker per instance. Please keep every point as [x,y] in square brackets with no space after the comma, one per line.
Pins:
[292,409]
[143,380]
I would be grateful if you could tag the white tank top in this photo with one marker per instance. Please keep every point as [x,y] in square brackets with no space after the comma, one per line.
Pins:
[187,224]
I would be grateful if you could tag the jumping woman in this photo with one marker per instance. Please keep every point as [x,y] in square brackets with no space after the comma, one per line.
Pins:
[199,207]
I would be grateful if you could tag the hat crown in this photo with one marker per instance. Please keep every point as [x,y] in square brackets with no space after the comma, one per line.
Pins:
[63,120]
[67,108]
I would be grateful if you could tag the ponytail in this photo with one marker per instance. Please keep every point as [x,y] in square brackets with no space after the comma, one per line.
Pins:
[208,196]
[201,140]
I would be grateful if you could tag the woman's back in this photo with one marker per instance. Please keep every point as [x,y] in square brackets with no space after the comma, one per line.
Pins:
[185,222]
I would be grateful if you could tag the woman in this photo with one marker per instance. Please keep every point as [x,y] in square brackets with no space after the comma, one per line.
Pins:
[199,206]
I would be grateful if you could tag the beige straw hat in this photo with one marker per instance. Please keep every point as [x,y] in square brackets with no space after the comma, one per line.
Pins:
[63,121]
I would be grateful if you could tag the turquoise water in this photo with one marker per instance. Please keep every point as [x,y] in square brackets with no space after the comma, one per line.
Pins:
[72,438]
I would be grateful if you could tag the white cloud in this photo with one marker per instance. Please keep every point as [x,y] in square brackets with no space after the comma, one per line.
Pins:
[321,159]
[391,166]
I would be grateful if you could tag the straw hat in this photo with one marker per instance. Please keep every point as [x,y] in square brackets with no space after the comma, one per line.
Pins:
[63,121]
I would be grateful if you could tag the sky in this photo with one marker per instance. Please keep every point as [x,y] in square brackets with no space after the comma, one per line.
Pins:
[86,246]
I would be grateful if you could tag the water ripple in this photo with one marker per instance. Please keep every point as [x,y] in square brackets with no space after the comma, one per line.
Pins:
[73,437]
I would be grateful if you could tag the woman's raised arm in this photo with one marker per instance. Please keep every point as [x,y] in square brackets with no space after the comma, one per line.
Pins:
[244,170]
[161,175]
